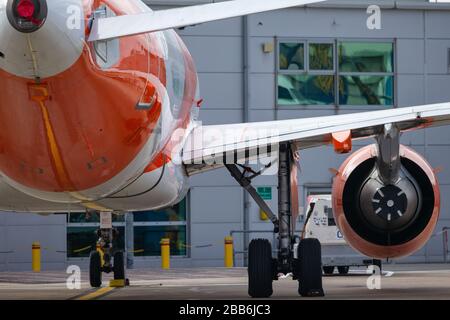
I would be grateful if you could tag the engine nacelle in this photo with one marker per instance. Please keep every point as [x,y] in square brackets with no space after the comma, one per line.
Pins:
[386,221]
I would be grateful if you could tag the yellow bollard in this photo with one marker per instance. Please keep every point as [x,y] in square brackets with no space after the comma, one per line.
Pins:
[165,253]
[36,257]
[229,252]
[263,215]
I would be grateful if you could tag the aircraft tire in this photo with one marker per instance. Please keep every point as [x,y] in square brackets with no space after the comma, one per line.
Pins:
[310,268]
[260,273]
[95,269]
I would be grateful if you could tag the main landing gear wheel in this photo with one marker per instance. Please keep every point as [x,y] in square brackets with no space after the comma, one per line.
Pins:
[306,266]
[95,269]
[309,268]
[260,273]
[328,270]
[119,266]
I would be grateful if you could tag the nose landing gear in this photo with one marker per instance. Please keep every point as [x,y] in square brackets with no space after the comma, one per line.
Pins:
[106,258]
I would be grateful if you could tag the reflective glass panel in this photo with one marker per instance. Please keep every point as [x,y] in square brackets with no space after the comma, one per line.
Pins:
[321,56]
[147,240]
[366,57]
[306,90]
[292,56]
[175,213]
[366,90]
[82,240]
[93,217]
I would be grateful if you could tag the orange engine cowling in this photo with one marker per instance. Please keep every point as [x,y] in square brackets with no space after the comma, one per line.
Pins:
[386,221]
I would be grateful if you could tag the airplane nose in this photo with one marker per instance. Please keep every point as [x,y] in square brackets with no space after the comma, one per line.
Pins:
[27,15]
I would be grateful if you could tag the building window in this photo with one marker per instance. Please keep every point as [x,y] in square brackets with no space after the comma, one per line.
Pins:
[306,73]
[147,240]
[305,89]
[149,228]
[348,73]
[292,56]
[82,235]
[152,226]
[321,57]
[366,73]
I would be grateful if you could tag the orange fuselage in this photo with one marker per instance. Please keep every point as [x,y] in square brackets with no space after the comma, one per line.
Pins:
[73,130]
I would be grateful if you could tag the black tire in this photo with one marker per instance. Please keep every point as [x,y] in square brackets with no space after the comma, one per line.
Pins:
[310,268]
[260,273]
[343,269]
[95,269]
[119,266]
[328,270]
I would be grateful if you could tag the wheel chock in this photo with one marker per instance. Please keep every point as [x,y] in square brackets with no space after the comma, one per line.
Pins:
[117,283]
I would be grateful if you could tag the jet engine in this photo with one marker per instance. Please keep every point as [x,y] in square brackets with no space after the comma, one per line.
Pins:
[386,200]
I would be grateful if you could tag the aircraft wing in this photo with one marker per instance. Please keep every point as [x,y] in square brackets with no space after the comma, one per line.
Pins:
[127,25]
[210,146]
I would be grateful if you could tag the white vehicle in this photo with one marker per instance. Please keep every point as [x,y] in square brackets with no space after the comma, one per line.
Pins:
[336,253]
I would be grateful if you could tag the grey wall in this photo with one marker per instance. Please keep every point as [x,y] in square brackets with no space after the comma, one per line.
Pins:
[19,231]
[422,40]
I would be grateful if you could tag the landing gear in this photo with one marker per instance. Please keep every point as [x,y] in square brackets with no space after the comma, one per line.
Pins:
[306,263]
[260,269]
[119,266]
[95,269]
[101,259]
[310,268]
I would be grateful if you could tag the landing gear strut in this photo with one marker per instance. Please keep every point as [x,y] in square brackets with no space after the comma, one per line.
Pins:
[301,258]
[106,258]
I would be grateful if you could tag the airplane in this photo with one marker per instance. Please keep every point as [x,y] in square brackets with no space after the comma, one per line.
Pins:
[99,109]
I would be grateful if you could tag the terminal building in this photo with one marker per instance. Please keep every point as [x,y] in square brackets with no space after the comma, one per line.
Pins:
[325,59]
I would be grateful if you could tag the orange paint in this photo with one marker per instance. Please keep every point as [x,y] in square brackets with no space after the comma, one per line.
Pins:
[85,128]
[82,127]
[342,141]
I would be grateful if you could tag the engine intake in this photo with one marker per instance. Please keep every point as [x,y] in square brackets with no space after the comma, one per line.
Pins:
[386,220]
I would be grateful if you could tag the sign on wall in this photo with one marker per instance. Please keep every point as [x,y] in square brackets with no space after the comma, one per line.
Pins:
[265,192]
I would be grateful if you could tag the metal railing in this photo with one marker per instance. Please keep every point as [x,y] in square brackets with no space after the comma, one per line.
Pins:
[445,245]
[244,252]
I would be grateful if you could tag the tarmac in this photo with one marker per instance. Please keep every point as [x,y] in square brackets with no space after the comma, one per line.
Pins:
[424,281]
